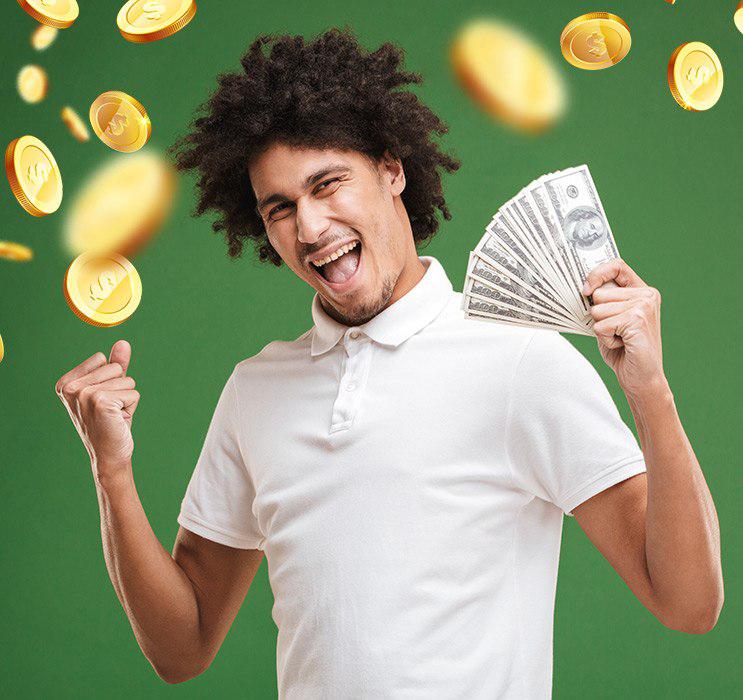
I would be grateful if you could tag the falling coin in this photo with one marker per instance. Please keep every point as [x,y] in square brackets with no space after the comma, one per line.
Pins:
[2,349]
[15,251]
[121,206]
[120,121]
[738,17]
[56,13]
[149,20]
[102,290]
[43,36]
[695,76]
[595,40]
[75,124]
[32,83]
[33,175]
[508,75]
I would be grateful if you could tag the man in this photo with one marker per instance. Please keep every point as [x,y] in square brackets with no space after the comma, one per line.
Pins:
[404,470]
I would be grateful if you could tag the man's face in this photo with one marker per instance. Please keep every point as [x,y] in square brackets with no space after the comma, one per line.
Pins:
[312,202]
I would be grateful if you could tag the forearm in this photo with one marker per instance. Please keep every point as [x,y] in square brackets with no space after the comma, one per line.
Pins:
[157,596]
[682,537]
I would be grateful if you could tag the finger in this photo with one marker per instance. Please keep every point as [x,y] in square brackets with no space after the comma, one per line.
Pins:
[617,270]
[82,369]
[603,294]
[611,308]
[128,400]
[121,352]
[115,384]
[108,371]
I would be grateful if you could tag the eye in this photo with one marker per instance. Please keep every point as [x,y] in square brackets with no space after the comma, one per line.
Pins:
[275,209]
[325,182]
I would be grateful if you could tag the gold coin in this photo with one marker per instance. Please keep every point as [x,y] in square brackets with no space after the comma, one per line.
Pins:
[15,251]
[102,290]
[120,121]
[75,124]
[121,206]
[150,20]
[595,40]
[43,36]
[738,17]
[33,175]
[695,76]
[55,13]
[32,83]
[508,75]
[2,349]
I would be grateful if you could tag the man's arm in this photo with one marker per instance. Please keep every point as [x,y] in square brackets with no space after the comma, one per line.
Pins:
[180,607]
[660,530]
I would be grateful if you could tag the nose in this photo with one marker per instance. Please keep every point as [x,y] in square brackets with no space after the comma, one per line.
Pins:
[312,221]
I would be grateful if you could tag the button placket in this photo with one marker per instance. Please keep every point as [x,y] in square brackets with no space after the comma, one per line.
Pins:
[354,369]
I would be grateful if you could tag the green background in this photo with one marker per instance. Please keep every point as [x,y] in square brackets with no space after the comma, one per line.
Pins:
[670,182]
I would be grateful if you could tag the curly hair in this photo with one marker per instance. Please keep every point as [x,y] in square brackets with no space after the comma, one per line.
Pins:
[328,93]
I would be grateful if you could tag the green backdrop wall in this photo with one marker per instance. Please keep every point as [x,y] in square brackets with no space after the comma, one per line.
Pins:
[670,181]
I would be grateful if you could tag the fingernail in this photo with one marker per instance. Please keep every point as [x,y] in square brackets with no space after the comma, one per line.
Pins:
[586,288]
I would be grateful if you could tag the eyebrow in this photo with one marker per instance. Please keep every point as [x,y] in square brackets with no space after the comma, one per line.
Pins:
[309,180]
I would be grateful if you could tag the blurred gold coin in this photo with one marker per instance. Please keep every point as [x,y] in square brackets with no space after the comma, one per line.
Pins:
[15,251]
[695,76]
[121,206]
[150,20]
[120,121]
[508,75]
[32,83]
[738,17]
[595,40]
[2,349]
[43,36]
[33,175]
[102,290]
[55,13]
[75,124]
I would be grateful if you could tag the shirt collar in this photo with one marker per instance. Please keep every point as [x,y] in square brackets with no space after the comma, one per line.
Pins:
[399,321]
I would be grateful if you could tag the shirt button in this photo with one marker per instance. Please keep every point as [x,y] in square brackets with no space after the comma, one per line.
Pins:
[354,334]
[350,386]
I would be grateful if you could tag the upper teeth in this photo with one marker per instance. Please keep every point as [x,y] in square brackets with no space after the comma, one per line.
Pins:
[335,255]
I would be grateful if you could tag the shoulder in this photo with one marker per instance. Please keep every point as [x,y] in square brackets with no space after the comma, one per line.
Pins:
[274,354]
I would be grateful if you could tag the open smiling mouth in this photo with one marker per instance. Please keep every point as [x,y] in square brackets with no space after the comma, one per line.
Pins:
[342,268]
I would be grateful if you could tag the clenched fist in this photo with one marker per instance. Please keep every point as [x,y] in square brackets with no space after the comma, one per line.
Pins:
[101,401]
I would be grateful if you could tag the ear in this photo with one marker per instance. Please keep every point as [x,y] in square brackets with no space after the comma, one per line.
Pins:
[391,169]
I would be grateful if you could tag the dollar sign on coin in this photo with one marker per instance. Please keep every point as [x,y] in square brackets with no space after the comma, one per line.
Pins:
[153,10]
[102,290]
[149,20]
[120,121]
[596,44]
[33,175]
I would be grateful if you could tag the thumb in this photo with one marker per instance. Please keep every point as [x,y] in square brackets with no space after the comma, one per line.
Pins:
[121,352]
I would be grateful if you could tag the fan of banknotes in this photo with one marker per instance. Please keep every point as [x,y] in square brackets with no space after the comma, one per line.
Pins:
[529,267]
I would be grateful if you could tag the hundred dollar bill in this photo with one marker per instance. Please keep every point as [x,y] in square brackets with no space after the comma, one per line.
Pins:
[484,281]
[581,217]
[499,247]
[513,212]
[496,311]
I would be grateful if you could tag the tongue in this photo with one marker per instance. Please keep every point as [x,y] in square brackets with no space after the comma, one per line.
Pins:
[340,269]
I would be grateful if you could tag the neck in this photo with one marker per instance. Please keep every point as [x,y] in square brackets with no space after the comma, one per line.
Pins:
[411,274]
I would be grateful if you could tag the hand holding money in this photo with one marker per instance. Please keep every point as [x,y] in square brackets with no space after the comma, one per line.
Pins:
[101,401]
[626,312]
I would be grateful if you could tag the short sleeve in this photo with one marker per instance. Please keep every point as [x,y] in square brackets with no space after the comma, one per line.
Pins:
[218,503]
[565,439]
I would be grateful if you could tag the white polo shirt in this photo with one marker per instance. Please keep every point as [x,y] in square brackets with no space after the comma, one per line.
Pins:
[407,480]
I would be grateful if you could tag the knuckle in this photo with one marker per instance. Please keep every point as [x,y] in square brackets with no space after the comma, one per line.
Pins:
[100,356]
